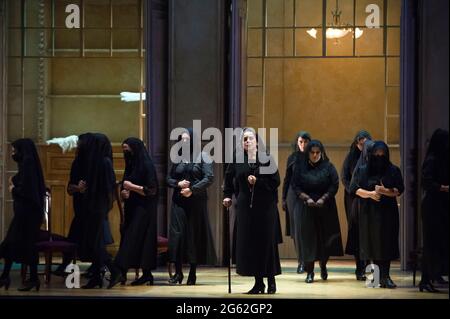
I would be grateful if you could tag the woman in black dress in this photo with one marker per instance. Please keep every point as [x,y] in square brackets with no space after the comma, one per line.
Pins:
[352,158]
[435,211]
[316,183]
[138,245]
[97,202]
[289,198]
[28,192]
[190,236]
[378,184]
[258,230]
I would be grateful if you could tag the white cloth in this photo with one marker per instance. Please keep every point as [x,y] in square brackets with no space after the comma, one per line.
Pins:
[131,97]
[66,143]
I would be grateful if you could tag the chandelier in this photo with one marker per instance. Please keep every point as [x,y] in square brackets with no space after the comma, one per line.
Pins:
[337,30]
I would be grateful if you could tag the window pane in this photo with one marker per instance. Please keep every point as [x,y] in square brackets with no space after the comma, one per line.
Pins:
[370,43]
[306,45]
[126,14]
[308,13]
[361,14]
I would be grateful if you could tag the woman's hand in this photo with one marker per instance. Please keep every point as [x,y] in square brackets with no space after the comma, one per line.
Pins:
[375,196]
[227,202]
[184,184]
[310,203]
[11,187]
[82,186]
[125,194]
[186,192]
[444,188]
[252,179]
[320,202]
[127,185]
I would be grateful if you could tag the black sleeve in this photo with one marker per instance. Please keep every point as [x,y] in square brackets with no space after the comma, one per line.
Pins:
[334,181]
[171,181]
[207,180]
[399,180]
[228,182]
[356,180]
[151,181]
[288,176]
[346,173]
[429,182]
[296,178]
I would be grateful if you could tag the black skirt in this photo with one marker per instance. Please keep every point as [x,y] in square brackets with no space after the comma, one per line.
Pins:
[190,236]
[138,246]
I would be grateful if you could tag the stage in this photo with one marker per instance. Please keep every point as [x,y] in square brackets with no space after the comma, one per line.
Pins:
[212,283]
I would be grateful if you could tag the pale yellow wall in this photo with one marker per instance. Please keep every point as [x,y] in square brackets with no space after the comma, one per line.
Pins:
[292,86]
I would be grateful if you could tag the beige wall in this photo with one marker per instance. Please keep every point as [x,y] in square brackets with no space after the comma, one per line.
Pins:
[292,86]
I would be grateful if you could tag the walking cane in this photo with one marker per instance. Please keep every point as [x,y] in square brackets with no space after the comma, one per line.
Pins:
[228,237]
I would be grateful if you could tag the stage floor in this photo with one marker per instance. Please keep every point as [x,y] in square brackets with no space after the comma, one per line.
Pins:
[212,283]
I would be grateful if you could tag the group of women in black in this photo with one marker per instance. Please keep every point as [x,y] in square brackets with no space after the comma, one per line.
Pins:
[316,230]
[372,184]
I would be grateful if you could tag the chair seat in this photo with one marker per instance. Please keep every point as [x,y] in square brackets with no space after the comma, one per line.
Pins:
[163,244]
[56,246]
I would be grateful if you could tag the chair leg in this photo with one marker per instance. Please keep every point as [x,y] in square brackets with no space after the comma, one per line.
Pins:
[48,266]
[137,273]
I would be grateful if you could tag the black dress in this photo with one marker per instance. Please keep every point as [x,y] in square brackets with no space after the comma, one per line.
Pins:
[290,198]
[257,228]
[435,210]
[320,233]
[97,201]
[138,245]
[190,236]
[378,221]
[28,196]
[350,162]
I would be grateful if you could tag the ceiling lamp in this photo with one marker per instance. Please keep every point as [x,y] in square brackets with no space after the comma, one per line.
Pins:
[337,30]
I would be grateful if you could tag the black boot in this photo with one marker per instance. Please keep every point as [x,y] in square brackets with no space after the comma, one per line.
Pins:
[300,268]
[116,275]
[360,271]
[5,282]
[271,285]
[30,284]
[258,288]
[309,278]
[192,275]
[147,278]
[97,278]
[323,270]
[178,277]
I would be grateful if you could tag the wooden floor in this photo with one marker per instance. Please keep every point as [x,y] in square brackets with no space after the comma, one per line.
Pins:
[212,283]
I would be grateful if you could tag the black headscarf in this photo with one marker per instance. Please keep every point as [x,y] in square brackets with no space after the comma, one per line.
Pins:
[304,135]
[80,163]
[439,145]
[193,153]
[323,157]
[378,165]
[138,162]
[30,172]
[355,153]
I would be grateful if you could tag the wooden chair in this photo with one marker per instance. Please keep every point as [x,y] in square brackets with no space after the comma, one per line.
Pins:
[49,243]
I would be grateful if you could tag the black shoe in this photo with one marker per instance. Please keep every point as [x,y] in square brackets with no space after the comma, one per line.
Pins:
[5,282]
[143,280]
[177,278]
[29,285]
[361,277]
[271,286]
[324,273]
[309,278]
[191,280]
[427,286]
[116,277]
[300,268]
[93,283]
[387,283]
[257,289]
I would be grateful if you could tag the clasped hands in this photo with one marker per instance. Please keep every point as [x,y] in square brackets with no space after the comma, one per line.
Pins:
[185,190]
